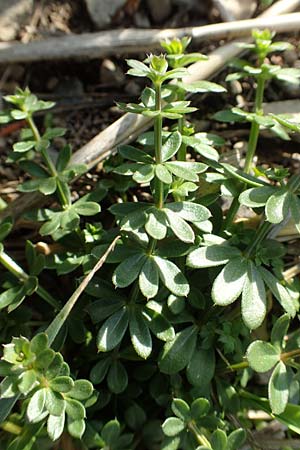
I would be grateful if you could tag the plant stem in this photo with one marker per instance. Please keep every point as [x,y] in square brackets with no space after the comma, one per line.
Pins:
[254,131]
[181,155]
[252,145]
[159,186]
[260,235]
[65,203]
[202,440]
[22,276]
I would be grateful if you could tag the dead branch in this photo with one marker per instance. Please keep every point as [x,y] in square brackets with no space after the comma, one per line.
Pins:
[129,126]
[96,45]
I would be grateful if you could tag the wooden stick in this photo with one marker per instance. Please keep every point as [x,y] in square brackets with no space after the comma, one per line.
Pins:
[96,45]
[129,126]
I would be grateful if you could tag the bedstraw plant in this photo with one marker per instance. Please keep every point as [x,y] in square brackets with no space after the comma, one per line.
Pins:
[163,347]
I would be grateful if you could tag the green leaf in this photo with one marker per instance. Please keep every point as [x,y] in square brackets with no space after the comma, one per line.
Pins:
[172,426]
[177,353]
[5,228]
[279,388]
[156,224]
[219,440]
[171,146]
[25,146]
[148,278]
[186,170]
[211,256]
[262,356]
[112,331]
[140,334]
[236,439]
[172,277]
[254,302]
[279,331]
[117,378]
[294,209]
[87,208]
[64,157]
[55,402]
[39,342]
[277,206]
[135,154]
[163,174]
[201,368]
[279,291]
[158,324]
[62,384]
[181,409]
[27,381]
[76,428]
[104,308]
[144,173]
[128,270]
[36,405]
[75,409]
[256,197]
[55,426]
[180,227]
[199,408]
[99,371]
[111,432]
[82,390]
[192,212]
[229,284]
[202,86]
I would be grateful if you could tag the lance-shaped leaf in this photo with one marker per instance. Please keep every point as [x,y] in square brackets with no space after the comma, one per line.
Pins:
[192,212]
[254,301]
[156,225]
[171,146]
[277,206]
[229,284]
[211,256]
[279,291]
[172,277]
[201,367]
[112,331]
[128,270]
[140,334]
[157,323]
[278,388]
[186,170]
[163,174]
[279,331]
[180,227]
[134,154]
[177,353]
[149,279]
[202,86]
[294,204]
[262,356]
[117,378]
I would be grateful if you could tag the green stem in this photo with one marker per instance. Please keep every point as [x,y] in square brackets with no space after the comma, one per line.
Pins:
[252,145]
[159,186]
[49,163]
[22,276]
[254,131]
[202,440]
[260,235]
[181,155]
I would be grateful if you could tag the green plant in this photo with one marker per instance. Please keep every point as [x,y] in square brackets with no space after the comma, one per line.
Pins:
[159,331]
